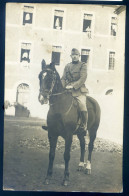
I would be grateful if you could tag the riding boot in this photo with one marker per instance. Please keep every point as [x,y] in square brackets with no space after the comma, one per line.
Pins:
[84,117]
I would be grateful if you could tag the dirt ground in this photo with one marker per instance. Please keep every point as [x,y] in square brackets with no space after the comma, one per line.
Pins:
[26,151]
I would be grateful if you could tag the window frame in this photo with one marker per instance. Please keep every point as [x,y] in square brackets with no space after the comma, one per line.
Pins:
[108,52]
[90,56]
[57,45]
[92,25]
[33,19]
[110,20]
[22,64]
[64,18]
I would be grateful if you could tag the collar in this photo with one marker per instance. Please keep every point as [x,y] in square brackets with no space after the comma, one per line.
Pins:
[76,62]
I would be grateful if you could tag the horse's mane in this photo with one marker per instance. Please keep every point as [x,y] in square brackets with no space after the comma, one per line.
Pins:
[40,75]
[58,77]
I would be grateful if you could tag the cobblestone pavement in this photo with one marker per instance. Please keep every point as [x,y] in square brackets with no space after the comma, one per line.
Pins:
[26,149]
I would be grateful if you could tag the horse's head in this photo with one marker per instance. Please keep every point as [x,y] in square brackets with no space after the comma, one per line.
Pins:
[47,79]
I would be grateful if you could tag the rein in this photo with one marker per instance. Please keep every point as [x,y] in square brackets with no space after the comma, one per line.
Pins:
[65,113]
[57,94]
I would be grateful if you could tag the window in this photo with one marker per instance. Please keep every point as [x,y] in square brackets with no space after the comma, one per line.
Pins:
[113,26]
[58,19]
[56,53]
[111,60]
[28,15]
[109,92]
[87,24]
[25,52]
[85,53]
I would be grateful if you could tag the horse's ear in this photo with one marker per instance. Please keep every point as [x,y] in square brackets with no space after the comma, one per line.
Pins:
[52,65]
[43,64]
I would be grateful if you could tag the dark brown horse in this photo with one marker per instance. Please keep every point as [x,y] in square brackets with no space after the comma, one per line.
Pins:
[62,119]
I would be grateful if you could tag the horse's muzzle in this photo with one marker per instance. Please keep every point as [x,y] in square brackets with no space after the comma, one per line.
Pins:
[42,99]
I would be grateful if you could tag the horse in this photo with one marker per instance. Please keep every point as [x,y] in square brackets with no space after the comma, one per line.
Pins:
[63,118]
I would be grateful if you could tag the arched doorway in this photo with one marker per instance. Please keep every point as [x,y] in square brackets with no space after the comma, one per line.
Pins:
[22,100]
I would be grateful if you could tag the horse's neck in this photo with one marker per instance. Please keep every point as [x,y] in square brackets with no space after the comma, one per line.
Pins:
[58,87]
[60,99]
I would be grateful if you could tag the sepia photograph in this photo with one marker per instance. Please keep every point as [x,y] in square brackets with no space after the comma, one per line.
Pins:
[64,97]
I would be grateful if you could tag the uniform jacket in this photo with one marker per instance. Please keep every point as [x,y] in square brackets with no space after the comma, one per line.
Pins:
[75,75]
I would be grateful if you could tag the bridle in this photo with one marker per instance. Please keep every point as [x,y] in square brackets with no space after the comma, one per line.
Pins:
[52,85]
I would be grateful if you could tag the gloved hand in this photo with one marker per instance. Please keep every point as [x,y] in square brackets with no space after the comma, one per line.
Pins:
[69,87]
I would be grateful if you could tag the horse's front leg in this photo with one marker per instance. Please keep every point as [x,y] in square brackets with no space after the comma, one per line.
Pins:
[53,142]
[68,142]
[92,134]
[82,147]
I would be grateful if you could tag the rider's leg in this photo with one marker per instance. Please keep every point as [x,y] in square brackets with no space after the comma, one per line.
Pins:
[83,111]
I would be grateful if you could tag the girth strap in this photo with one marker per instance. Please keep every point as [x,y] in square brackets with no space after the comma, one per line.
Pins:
[69,108]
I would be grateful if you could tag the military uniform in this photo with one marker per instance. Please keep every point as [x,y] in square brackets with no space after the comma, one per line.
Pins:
[75,74]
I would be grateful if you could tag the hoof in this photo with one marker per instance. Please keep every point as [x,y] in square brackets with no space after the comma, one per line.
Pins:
[65,183]
[88,171]
[47,181]
[80,168]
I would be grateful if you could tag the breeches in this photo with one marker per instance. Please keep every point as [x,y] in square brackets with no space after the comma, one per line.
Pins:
[82,102]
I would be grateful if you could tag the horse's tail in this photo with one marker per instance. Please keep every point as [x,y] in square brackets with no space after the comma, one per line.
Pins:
[96,109]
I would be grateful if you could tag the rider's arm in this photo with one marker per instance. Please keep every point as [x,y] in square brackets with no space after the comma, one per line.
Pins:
[82,79]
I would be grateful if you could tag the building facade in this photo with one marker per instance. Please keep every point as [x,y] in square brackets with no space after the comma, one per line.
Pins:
[49,31]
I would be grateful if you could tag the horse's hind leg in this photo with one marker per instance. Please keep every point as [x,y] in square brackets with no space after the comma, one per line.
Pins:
[68,142]
[92,134]
[82,148]
[53,142]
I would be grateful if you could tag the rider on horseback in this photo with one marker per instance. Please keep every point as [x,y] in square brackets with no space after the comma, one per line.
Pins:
[74,77]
